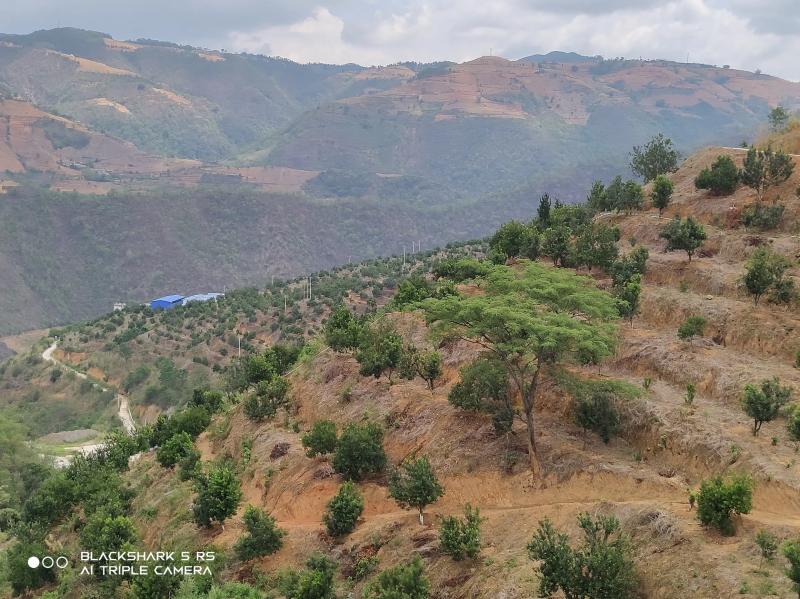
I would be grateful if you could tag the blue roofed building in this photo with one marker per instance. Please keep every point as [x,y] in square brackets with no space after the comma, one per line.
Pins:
[201,297]
[168,301]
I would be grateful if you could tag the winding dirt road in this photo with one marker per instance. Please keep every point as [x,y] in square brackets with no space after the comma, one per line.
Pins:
[124,412]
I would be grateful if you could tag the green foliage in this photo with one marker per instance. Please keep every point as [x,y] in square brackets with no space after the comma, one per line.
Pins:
[764,271]
[429,367]
[524,321]
[264,537]
[461,537]
[314,583]
[463,269]
[484,388]
[691,390]
[62,136]
[515,239]
[791,551]
[380,351]
[721,179]
[104,533]
[767,545]
[718,501]
[175,449]
[322,438]
[598,200]
[657,157]
[267,399]
[661,195]
[762,217]
[687,235]
[629,297]
[210,400]
[600,567]
[778,119]
[23,578]
[342,331]
[359,451]
[597,246]
[763,169]
[598,413]
[693,327]
[218,496]
[414,484]
[344,509]
[543,210]
[400,582]
[634,263]
[793,423]
[136,377]
[764,404]
[556,244]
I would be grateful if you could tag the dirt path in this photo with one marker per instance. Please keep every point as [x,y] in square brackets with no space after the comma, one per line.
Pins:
[124,412]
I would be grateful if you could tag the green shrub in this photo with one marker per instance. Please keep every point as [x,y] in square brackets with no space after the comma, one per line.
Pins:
[718,502]
[359,451]
[175,449]
[400,582]
[322,438]
[264,537]
[461,537]
[721,179]
[343,511]
[601,567]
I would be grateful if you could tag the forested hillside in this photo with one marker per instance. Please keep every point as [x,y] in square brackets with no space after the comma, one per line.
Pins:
[227,169]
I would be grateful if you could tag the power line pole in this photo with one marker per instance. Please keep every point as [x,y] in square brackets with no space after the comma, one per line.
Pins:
[404,258]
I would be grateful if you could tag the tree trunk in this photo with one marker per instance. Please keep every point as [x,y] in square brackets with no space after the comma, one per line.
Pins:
[421,521]
[527,402]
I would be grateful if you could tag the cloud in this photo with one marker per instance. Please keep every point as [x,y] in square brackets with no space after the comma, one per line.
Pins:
[741,33]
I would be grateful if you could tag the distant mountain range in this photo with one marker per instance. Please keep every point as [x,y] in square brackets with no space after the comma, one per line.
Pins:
[557,56]
[338,154]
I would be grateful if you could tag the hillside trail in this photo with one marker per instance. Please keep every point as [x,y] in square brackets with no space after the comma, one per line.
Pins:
[124,412]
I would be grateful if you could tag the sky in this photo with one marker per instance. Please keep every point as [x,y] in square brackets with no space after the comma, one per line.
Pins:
[742,33]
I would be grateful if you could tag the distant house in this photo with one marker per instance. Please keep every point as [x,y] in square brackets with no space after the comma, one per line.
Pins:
[119,306]
[168,301]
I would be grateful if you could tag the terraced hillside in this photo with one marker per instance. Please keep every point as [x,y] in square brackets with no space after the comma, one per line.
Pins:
[668,442]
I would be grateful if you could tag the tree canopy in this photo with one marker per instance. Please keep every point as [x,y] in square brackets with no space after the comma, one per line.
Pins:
[686,235]
[763,169]
[530,317]
[414,484]
[601,567]
[721,178]
[763,403]
[657,157]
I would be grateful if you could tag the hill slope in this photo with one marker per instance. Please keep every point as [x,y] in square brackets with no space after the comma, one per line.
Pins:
[666,446]
[493,123]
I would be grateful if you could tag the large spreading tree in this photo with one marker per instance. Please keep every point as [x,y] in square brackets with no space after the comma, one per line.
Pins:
[527,318]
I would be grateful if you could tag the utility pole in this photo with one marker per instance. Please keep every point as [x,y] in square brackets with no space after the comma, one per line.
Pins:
[273,280]
[404,258]
[240,341]
[350,259]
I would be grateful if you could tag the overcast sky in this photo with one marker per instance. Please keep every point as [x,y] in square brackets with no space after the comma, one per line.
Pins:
[746,34]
